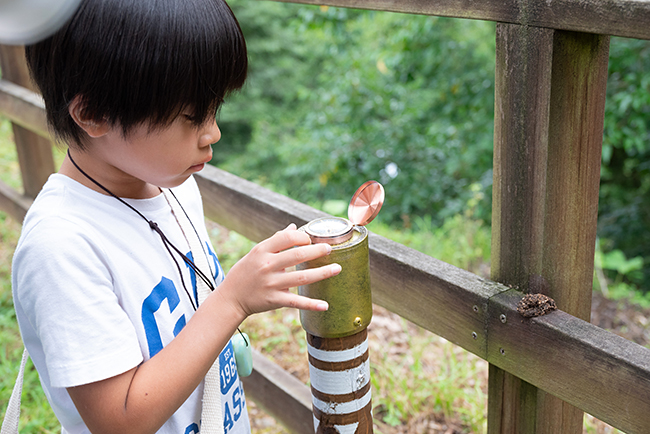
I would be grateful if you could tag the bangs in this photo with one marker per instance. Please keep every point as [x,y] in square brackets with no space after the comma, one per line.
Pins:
[136,62]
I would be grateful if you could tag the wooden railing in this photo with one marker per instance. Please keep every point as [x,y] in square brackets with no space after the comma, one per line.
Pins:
[551,71]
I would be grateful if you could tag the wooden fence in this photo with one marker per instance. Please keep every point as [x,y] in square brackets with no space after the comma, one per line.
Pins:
[551,73]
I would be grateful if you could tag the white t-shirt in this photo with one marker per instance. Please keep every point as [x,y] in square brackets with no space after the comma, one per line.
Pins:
[96,293]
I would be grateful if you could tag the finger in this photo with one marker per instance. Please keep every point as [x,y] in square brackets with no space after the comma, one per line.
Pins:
[291,227]
[288,299]
[305,277]
[298,255]
[284,240]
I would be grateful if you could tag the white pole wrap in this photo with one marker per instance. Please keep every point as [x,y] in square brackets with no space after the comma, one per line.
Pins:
[340,384]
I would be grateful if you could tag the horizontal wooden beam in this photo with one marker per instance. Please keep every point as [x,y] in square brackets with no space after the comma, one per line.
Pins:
[593,369]
[584,365]
[23,107]
[628,18]
[447,300]
[280,394]
[13,203]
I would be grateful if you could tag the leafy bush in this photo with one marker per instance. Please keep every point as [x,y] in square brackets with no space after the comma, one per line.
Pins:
[340,96]
[624,221]
[406,100]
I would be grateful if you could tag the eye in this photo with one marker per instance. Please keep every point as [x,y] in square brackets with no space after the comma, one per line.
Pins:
[190,120]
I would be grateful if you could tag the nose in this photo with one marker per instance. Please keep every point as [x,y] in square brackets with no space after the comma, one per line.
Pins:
[211,134]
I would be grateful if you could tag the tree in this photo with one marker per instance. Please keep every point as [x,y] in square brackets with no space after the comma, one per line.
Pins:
[624,221]
[339,96]
[404,99]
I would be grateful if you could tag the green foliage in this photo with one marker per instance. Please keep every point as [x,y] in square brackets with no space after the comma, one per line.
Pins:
[621,271]
[624,222]
[340,96]
[462,240]
[279,59]
[8,158]
[406,100]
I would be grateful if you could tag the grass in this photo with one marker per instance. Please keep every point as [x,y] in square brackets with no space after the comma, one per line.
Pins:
[421,382]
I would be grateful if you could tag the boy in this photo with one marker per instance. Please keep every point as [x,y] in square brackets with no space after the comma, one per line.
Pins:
[108,308]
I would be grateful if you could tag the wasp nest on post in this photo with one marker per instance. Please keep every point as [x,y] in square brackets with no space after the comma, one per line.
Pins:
[535,305]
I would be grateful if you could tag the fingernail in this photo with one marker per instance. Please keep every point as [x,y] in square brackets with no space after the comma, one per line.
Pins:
[336,269]
[322,306]
[291,226]
[328,248]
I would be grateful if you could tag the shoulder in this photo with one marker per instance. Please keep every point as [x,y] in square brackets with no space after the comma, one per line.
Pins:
[56,248]
[60,199]
[57,228]
[53,219]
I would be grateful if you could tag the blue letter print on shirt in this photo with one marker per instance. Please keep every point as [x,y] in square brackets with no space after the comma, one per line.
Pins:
[217,267]
[164,290]
[167,290]
[233,402]
[192,429]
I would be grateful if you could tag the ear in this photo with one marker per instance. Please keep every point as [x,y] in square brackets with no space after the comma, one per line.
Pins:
[92,127]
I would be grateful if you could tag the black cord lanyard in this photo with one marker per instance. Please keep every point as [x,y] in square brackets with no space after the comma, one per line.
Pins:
[169,246]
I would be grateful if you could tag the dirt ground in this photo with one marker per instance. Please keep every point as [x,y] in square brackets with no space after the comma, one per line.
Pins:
[626,320]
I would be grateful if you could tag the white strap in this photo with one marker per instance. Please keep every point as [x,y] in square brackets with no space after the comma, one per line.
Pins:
[212,413]
[10,422]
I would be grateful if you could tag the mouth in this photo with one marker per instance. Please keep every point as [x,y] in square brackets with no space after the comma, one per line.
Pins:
[200,166]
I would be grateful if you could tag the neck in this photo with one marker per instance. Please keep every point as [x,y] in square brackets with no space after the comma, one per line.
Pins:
[111,179]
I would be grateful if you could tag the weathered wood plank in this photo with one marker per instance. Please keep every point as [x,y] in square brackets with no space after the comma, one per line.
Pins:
[34,152]
[521,121]
[575,137]
[550,100]
[628,18]
[13,203]
[280,394]
[248,208]
[577,111]
[447,300]
[23,107]
[593,369]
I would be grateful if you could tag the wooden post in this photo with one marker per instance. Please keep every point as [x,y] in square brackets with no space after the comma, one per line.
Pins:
[549,108]
[340,384]
[34,152]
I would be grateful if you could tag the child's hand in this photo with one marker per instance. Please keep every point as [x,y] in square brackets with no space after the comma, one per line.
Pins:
[258,282]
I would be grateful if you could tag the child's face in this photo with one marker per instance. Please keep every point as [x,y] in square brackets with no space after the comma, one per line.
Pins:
[163,157]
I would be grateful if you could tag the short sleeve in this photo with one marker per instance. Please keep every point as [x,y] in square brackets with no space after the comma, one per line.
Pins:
[64,288]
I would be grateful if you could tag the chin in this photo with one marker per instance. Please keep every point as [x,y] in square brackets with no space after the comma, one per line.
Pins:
[171,183]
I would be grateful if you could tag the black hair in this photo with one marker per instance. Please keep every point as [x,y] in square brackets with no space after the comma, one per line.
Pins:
[139,61]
